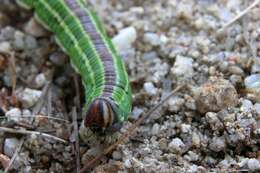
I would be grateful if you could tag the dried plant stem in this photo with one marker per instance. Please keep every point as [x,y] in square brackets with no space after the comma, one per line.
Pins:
[28,132]
[75,140]
[38,116]
[241,14]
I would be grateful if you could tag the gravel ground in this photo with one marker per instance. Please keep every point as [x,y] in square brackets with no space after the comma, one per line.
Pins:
[212,125]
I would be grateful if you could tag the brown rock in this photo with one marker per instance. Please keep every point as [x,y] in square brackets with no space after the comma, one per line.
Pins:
[215,95]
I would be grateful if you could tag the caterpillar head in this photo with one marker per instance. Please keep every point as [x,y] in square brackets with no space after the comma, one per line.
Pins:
[101,116]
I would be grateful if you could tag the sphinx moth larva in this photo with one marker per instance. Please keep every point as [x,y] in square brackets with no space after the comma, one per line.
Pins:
[79,32]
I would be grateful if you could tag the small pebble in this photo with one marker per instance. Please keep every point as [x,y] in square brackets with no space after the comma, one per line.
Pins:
[30,42]
[116,155]
[40,80]
[256,66]
[246,106]
[175,104]
[215,95]
[10,146]
[136,113]
[191,156]
[213,120]
[152,38]
[150,88]
[195,139]
[253,164]
[127,163]
[176,145]
[217,144]
[257,108]
[14,114]
[8,33]
[5,47]
[236,70]
[252,81]
[58,58]
[182,68]
[29,97]
[19,43]
[185,128]
[193,169]
[125,38]
[155,129]
[184,11]
[33,28]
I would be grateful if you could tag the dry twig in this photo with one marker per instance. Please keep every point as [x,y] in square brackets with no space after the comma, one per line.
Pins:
[38,116]
[28,132]
[75,139]
[241,14]
[40,103]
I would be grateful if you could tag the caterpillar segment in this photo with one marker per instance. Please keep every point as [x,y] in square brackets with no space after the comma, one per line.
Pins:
[80,34]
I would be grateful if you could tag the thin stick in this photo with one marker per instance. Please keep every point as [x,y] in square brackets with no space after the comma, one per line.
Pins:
[13,76]
[15,155]
[28,132]
[76,83]
[241,14]
[49,103]
[40,102]
[76,139]
[131,130]
[38,116]
[250,42]
[13,71]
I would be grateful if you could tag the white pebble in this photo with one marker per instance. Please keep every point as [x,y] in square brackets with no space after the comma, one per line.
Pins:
[19,43]
[184,11]
[247,105]
[125,38]
[136,112]
[14,114]
[116,155]
[175,104]
[163,39]
[155,129]
[152,38]
[5,47]
[10,146]
[195,139]
[176,145]
[27,112]
[149,88]
[217,144]
[29,97]
[183,67]
[257,108]
[185,128]
[193,169]
[253,164]
[127,163]
[256,66]
[253,81]
[40,80]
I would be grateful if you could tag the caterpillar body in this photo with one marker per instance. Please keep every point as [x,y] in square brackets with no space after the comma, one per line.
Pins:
[79,32]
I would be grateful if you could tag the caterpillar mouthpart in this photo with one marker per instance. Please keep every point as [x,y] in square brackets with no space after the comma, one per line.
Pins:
[101,115]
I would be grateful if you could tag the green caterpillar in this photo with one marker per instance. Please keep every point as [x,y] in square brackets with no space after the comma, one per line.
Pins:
[80,34]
